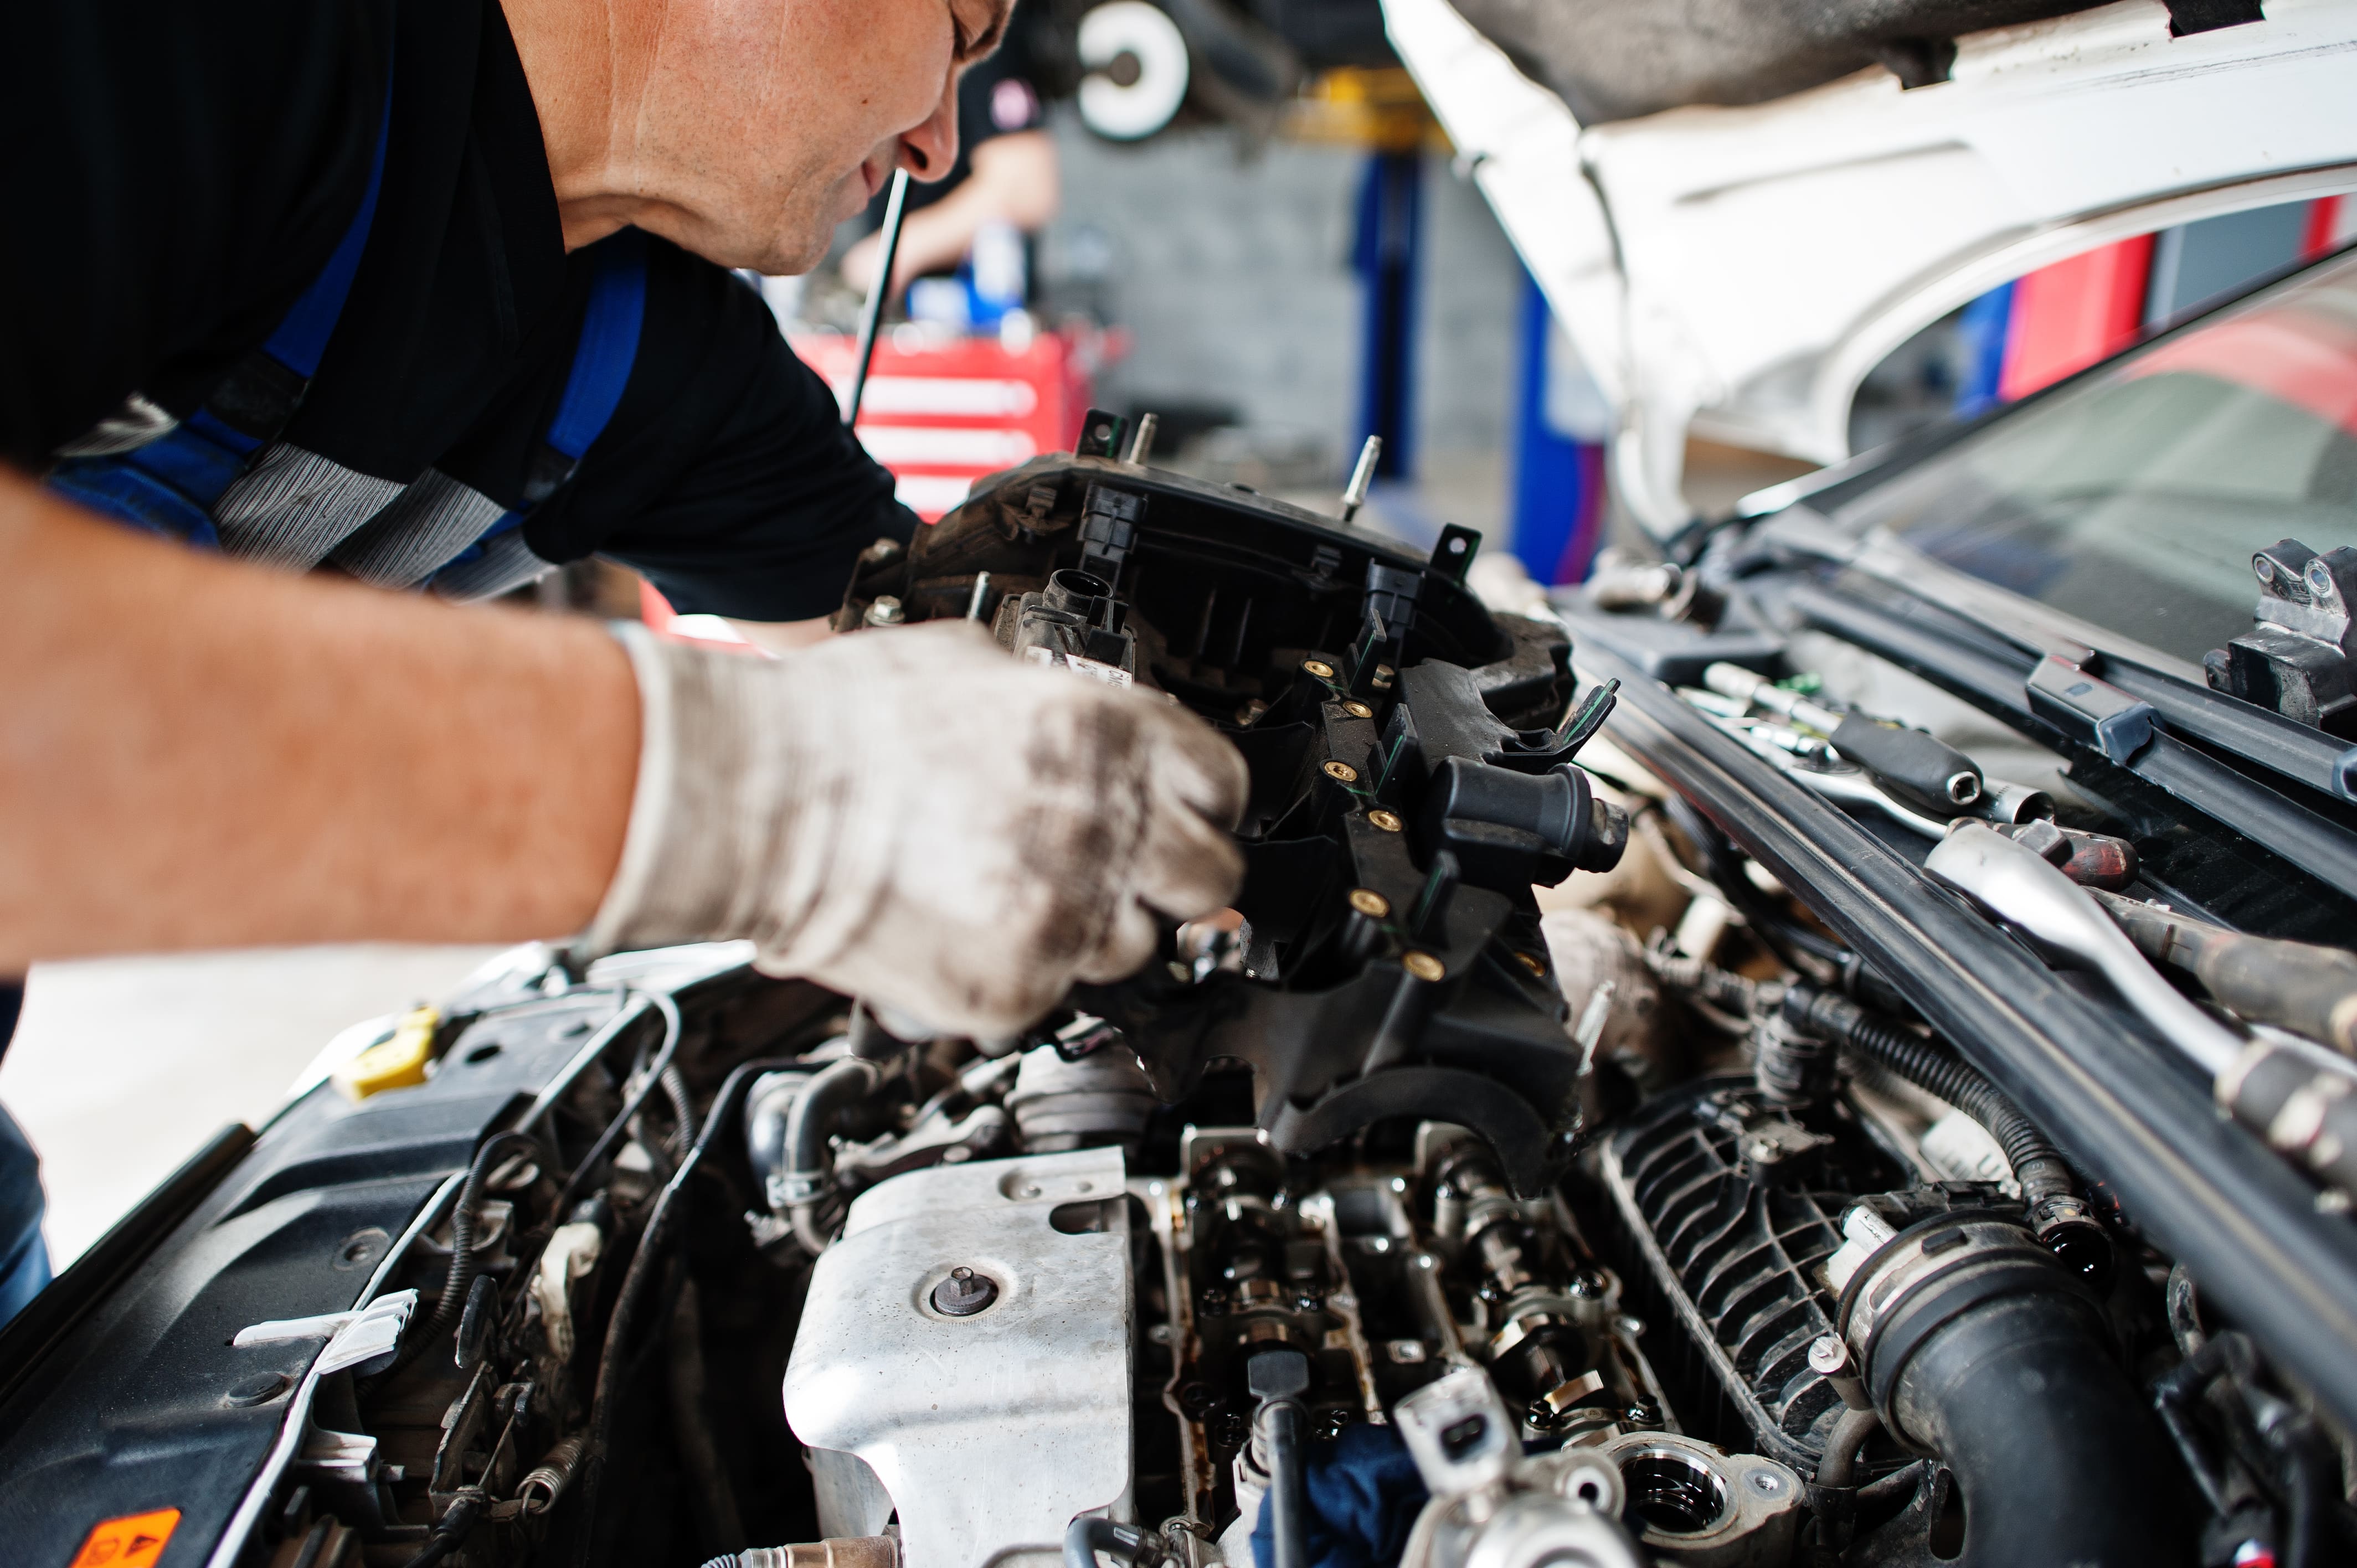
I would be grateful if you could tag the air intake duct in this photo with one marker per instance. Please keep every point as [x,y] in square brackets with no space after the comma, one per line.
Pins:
[1984,1348]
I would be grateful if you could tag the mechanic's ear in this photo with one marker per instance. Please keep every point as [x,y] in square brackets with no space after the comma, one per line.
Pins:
[928,150]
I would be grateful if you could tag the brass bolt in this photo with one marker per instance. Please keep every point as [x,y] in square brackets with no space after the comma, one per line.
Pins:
[1370,903]
[1424,966]
[1537,970]
[1319,667]
[1383,673]
[1387,821]
[1342,771]
[1358,710]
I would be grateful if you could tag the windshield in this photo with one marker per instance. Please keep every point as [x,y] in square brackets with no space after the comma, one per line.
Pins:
[2136,498]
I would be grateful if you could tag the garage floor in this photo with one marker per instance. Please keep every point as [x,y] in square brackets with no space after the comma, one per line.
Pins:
[121,1067]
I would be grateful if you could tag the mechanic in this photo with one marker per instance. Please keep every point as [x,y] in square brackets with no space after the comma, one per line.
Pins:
[444,332]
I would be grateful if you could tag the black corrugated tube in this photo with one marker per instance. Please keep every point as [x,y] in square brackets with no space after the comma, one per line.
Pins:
[2037,1164]
[463,1262]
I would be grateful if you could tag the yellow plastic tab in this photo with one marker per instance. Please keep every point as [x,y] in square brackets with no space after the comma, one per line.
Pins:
[397,1063]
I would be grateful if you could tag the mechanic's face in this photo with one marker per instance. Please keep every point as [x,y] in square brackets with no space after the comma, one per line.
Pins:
[761,125]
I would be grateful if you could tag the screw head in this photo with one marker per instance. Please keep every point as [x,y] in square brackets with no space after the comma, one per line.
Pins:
[1532,962]
[886,610]
[1319,667]
[1358,710]
[256,1391]
[1342,771]
[1370,903]
[1383,673]
[1424,966]
[964,1292]
[1387,821]
[362,1249]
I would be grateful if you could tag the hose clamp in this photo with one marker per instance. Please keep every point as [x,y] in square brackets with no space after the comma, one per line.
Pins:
[794,1188]
[1927,1275]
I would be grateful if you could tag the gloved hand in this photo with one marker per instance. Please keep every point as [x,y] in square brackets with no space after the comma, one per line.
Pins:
[913,817]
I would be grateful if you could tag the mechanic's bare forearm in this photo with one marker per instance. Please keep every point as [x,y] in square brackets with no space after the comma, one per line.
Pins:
[199,754]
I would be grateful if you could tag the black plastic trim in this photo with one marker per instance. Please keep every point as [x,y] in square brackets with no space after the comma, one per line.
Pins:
[49,1316]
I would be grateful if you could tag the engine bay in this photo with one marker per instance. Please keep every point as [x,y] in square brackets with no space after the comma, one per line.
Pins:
[1549,1160]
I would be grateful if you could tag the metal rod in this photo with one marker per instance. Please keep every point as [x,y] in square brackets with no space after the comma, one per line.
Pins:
[871,316]
[1354,494]
[1141,446]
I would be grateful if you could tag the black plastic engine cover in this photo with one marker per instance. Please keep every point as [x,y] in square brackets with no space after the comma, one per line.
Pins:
[1390,963]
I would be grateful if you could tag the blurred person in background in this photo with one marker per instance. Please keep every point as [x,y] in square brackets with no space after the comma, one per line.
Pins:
[1003,189]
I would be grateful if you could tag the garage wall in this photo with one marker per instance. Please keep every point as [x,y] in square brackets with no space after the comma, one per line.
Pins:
[1231,272]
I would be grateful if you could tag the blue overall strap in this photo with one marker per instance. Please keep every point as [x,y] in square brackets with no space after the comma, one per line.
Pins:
[170,484]
[602,359]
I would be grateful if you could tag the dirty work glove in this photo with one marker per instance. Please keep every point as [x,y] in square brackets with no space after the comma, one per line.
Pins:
[912,817]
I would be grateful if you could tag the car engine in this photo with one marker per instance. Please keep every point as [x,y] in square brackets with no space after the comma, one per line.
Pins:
[1543,1163]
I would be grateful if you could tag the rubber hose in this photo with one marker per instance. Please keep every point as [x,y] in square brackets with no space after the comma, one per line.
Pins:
[461,1275]
[631,1294]
[807,1162]
[1087,1536]
[1839,1466]
[669,1009]
[2037,1164]
[2312,1482]
[2058,1460]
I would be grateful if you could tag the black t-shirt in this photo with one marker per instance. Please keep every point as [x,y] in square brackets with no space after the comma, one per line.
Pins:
[179,174]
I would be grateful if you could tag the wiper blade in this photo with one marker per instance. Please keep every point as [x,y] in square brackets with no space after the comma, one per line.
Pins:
[2176,690]
[2307,755]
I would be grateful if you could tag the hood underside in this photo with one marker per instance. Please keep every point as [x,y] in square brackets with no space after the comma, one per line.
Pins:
[1737,210]
[1617,59]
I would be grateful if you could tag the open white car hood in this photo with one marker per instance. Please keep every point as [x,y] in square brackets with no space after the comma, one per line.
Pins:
[1737,271]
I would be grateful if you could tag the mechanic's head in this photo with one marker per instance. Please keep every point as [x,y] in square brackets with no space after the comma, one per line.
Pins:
[744,130]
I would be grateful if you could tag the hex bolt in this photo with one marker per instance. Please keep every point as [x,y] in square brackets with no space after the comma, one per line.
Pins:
[964,1292]
[1829,1358]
